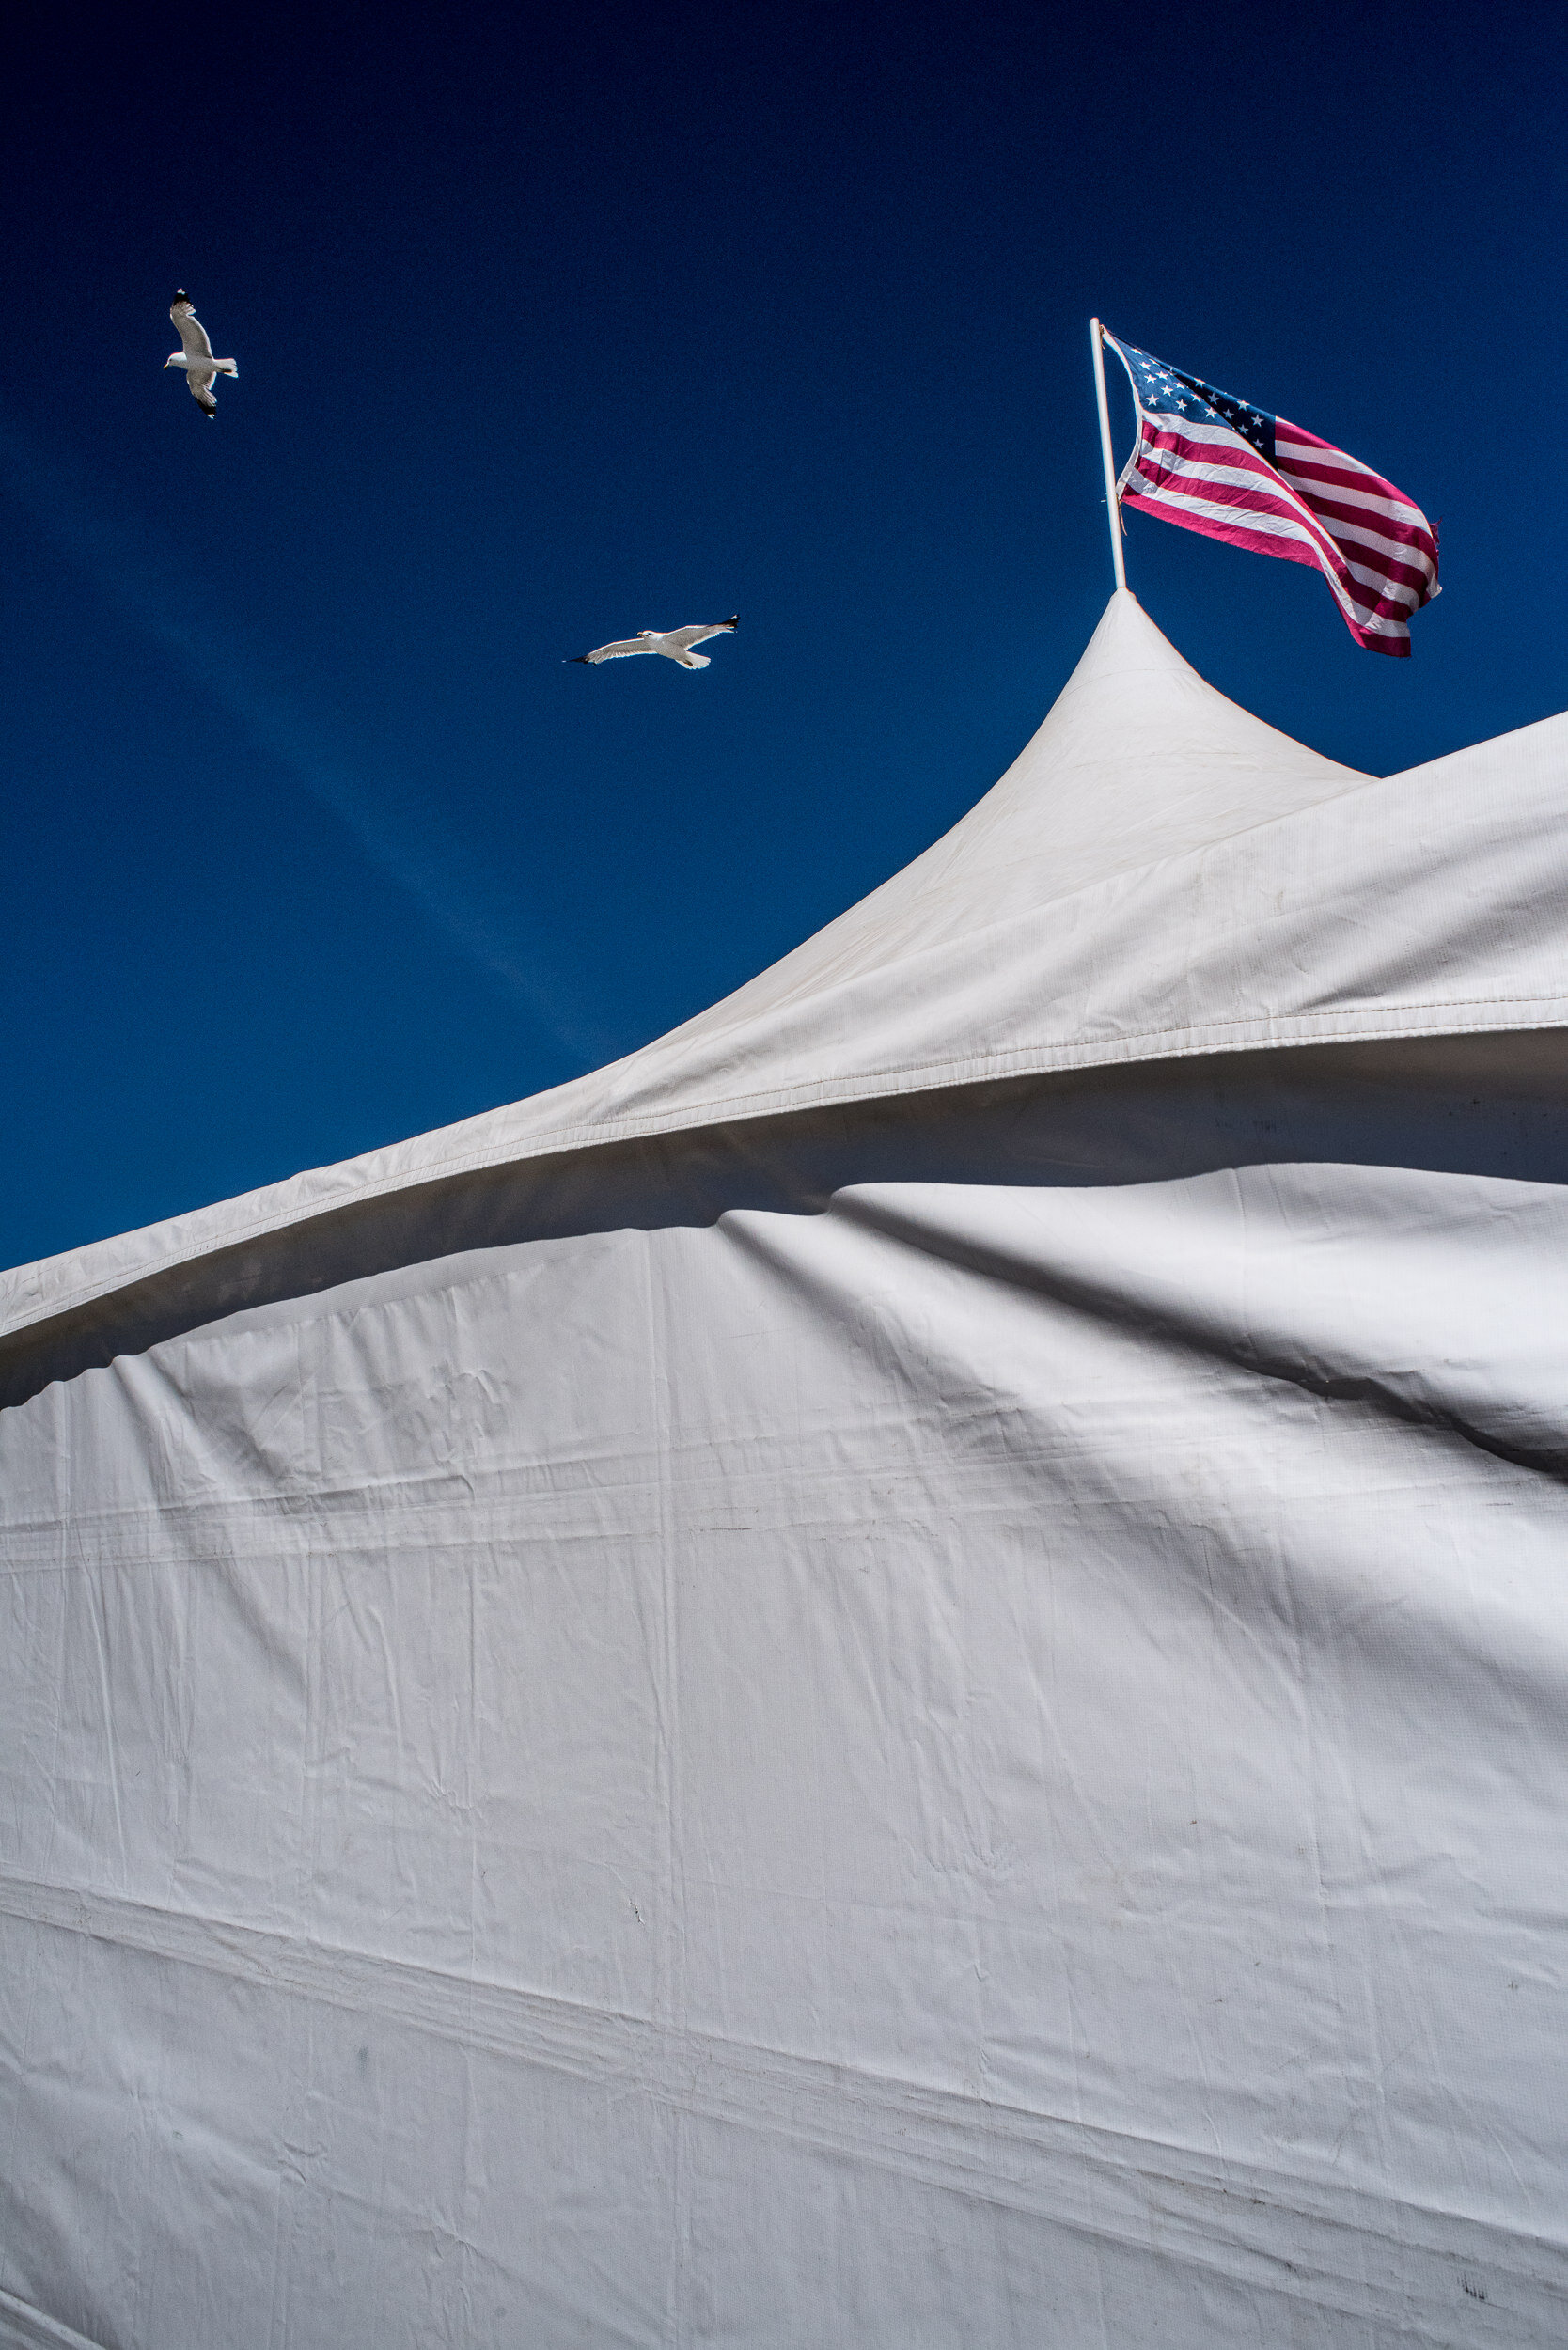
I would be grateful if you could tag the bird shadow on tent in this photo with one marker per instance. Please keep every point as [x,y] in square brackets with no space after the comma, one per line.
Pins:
[1493,1104]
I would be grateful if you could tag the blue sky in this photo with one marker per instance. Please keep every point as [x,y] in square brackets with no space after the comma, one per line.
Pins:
[556,324]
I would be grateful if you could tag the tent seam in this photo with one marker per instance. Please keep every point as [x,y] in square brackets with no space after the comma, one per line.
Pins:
[1273,1033]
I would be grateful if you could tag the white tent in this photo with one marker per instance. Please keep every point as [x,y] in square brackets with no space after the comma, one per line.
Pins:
[894,1674]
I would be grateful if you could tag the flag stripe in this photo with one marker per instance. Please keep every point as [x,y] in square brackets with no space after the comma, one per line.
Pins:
[1343,523]
[1268,529]
[1263,534]
[1379,632]
[1396,532]
[1242,465]
[1267,525]
[1201,481]
[1285,429]
[1346,497]
[1354,485]
[1261,491]
[1214,466]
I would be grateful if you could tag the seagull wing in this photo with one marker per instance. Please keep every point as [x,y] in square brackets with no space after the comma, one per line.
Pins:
[190,330]
[699,632]
[201,392]
[623,647]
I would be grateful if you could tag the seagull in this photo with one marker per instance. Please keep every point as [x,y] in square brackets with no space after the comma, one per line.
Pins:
[196,356]
[674,643]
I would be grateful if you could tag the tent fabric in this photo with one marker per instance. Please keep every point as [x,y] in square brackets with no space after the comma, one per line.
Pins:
[1158,874]
[1456,1104]
[930,1715]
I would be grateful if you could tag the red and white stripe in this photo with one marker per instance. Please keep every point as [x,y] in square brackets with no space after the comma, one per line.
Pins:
[1377,550]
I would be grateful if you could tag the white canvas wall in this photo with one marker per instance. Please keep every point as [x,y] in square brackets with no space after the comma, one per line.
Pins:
[983,1766]
[968,1749]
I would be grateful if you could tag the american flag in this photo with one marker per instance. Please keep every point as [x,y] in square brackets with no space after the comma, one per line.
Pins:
[1217,465]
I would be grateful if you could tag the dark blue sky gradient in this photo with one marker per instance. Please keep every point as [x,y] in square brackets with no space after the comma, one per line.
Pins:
[555,325]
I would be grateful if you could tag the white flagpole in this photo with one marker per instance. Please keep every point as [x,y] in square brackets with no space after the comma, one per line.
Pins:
[1113,506]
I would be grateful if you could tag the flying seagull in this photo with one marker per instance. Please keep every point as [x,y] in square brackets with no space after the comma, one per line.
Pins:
[674,643]
[196,356]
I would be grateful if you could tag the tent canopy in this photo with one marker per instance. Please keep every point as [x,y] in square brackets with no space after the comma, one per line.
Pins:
[894,1673]
[1157,875]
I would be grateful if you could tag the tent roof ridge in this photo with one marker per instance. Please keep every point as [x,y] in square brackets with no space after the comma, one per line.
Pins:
[1012,947]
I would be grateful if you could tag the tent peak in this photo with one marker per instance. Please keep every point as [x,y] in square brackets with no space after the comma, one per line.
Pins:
[1088,908]
[1137,759]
